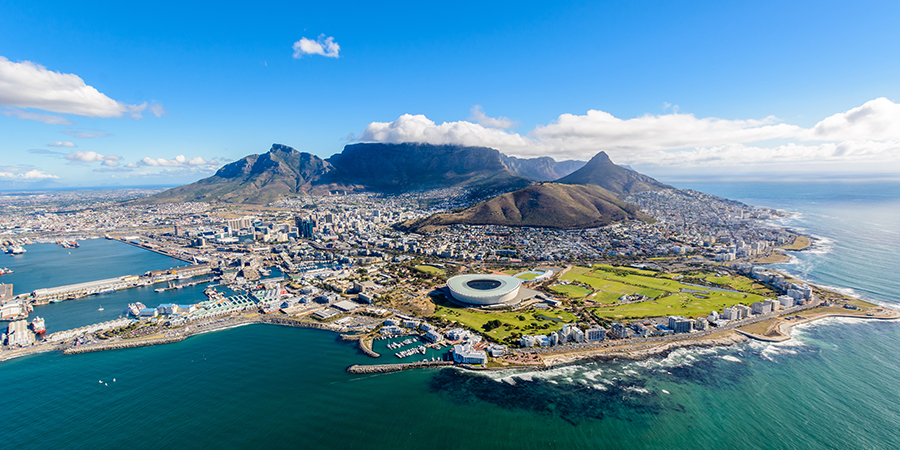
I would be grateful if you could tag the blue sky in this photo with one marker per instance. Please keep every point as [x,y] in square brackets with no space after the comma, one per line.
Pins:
[170,91]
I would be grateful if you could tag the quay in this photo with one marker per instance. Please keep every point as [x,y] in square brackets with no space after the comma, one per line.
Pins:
[152,248]
[73,291]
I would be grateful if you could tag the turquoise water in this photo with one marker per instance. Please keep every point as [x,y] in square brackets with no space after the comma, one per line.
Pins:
[833,386]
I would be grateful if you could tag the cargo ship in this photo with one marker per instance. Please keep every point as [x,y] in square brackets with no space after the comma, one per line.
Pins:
[135,309]
[37,325]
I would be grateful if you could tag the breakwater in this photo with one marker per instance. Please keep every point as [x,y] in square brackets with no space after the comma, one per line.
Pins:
[121,344]
[366,346]
[387,368]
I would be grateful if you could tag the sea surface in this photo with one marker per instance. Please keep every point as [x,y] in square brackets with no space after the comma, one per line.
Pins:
[260,386]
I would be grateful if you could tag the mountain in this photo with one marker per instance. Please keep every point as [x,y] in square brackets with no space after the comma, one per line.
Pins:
[40,185]
[601,171]
[543,168]
[393,168]
[255,179]
[550,205]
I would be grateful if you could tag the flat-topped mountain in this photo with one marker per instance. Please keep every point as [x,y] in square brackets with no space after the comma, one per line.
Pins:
[548,205]
[408,167]
[600,171]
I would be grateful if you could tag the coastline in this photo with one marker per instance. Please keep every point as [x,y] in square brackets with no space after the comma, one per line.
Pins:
[774,329]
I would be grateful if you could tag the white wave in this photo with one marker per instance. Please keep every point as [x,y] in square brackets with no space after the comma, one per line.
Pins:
[600,387]
[684,356]
[636,389]
[666,392]
[771,350]
[556,372]
[731,358]
[820,245]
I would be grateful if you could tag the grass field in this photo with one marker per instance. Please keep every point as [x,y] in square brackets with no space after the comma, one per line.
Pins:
[527,276]
[570,290]
[679,304]
[475,319]
[800,243]
[609,283]
[430,270]
[613,282]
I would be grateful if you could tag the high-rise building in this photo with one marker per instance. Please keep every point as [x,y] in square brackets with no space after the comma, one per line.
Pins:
[305,227]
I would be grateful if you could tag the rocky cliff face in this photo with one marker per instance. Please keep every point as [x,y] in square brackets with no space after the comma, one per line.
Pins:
[543,168]
[405,167]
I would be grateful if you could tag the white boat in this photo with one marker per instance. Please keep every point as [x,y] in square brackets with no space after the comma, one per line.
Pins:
[100,308]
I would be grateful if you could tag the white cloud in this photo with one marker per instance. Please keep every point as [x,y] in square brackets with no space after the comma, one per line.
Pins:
[86,134]
[62,144]
[477,114]
[876,119]
[178,161]
[157,109]
[49,119]
[324,46]
[418,128]
[29,85]
[29,175]
[89,157]
[598,130]
[864,134]
[794,153]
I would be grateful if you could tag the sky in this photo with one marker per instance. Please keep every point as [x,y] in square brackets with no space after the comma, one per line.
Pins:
[165,93]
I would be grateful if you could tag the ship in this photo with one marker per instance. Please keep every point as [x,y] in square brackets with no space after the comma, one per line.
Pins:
[135,308]
[37,325]
[5,271]
[16,250]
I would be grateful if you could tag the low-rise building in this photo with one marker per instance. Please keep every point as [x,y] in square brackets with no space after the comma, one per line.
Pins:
[466,354]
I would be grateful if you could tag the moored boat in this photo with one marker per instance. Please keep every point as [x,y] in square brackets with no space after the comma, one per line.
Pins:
[37,325]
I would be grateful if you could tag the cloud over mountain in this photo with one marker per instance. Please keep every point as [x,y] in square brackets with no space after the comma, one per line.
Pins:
[865,133]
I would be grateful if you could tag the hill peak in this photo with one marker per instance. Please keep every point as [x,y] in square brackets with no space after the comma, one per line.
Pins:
[601,171]
[281,148]
[600,158]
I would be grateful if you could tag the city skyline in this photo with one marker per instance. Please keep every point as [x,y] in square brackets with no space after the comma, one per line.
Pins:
[118,95]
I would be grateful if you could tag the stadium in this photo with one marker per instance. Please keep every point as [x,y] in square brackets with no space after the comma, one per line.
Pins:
[484,290]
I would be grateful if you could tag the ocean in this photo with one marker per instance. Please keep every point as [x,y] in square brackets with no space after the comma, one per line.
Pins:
[832,386]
